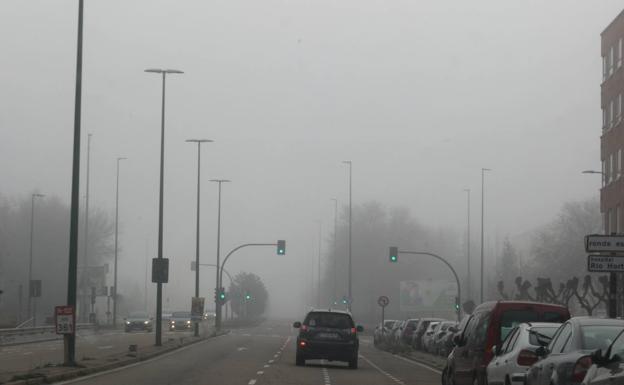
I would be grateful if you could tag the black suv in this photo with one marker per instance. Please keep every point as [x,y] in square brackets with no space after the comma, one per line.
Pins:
[328,334]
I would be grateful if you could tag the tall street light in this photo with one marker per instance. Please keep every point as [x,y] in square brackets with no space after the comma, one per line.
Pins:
[468,287]
[116,248]
[318,260]
[164,73]
[335,248]
[85,261]
[69,340]
[199,142]
[483,170]
[218,286]
[30,260]
[350,164]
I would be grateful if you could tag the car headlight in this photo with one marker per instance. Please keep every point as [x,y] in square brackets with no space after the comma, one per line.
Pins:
[172,322]
[146,322]
[127,322]
[188,322]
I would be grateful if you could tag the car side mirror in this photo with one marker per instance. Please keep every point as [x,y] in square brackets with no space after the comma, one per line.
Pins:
[496,350]
[542,351]
[359,328]
[297,325]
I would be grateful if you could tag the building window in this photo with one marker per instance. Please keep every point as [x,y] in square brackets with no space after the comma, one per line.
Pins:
[608,221]
[604,118]
[617,219]
[619,61]
[605,68]
[618,164]
[611,60]
[612,170]
[618,109]
[611,113]
[605,172]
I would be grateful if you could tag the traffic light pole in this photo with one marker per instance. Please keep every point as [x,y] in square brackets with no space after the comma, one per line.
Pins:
[222,268]
[450,267]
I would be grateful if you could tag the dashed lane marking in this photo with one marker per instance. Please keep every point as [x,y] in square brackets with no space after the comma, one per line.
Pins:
[259,372]
[252,381]
[325,372]
[380,370]
[271,361]
[267,366]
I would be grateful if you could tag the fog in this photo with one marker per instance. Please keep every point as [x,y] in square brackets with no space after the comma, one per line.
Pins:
[419,95]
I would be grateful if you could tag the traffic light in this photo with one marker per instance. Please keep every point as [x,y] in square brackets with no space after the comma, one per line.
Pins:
[281,247]
[456,303]
[247,296]
[394,254]
[222,295]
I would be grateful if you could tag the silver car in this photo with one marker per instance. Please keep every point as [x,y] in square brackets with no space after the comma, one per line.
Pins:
[608,365]
[518,352]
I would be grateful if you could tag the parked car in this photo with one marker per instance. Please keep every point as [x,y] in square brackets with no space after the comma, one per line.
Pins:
[328,334]
[517,353]
[420,331]
[382,331]
[440,336]
[138,320]
[490,323]
[607,365]
[567,358]
[408,331]
[395,336]
[427,338]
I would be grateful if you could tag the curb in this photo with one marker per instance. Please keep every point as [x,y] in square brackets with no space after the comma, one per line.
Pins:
[69,375]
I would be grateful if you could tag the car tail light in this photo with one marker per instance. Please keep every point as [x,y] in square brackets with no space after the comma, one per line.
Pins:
[302,343]
[526,358]
[304,328]
[580,368]
[353,330]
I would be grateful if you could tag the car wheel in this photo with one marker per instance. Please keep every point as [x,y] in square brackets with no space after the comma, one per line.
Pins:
[353,363]
[475,381]
[299,359]
[507,381]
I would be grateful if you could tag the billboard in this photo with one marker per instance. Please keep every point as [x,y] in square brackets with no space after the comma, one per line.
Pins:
[427,295]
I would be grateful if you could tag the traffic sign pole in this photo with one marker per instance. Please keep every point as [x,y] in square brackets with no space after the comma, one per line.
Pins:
[612,244]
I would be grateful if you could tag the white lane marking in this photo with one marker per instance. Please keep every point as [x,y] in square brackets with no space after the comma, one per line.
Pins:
[417,364]
[266,366]
[276,355]
[28,353]
[271,361]
[241,349]
[325,372]
[259,372]
[380,370]
[252,381]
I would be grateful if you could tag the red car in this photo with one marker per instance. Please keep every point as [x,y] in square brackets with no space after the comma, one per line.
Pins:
[488,326]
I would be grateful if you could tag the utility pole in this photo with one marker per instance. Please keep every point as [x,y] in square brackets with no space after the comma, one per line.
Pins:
[30,260]
[335,296]
[218,287]
[318,284]
[69,340]
[116,248]
[468,287]
[348,162]
[483,170]
[85,262]
[199,142]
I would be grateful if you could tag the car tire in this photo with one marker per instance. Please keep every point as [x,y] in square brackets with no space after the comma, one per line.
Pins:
[299,359]
[353,363]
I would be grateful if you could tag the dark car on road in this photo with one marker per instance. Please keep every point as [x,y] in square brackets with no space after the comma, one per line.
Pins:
[566,359]
[139,320]
[328,334]
[490,324]
[180,320]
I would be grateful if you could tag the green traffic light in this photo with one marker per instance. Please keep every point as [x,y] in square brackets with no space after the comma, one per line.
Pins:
[247,297]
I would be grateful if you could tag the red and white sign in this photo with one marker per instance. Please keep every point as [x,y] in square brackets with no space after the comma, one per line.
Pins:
[64,319]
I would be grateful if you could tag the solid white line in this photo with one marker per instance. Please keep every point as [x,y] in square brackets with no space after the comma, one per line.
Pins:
[252,381]
[260,372]
[80,379]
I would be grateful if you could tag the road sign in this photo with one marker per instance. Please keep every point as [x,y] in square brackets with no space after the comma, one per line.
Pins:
[605,264]
[609,243]
[383,301]
[160,270]
[64,319]
[197,308]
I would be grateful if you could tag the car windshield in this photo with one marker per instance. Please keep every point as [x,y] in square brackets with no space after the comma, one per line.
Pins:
[512,318]
[599,336]
[329,320]
[138,314]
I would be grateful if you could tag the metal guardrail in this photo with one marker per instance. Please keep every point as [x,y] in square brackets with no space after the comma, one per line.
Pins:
[45,332]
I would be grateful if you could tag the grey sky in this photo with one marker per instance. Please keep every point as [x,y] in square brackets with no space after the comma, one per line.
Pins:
[418,94]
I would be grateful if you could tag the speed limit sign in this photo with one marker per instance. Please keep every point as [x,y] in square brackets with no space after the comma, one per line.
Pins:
[64,319]
[383,301]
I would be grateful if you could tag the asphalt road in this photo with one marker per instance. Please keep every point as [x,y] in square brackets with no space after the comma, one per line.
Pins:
[264,355]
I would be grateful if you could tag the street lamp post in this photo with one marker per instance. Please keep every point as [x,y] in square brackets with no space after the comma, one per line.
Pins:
[468,287]
[30,260]
[483,170]
[164,72]
[199,142]
[348,162]
[335,297]
[318,260]
[69,340]
[116,248]
[218,286]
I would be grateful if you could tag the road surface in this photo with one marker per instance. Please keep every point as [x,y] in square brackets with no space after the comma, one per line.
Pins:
[264,355]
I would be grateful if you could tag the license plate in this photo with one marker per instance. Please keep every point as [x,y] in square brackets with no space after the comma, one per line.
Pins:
[328,336]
